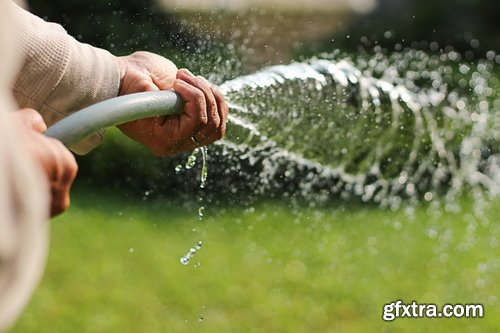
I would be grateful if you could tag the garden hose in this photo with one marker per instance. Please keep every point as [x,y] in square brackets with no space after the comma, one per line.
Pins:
[112,112]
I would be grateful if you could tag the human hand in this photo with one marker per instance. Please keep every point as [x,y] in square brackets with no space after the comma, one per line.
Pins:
[205,112]
[55,160]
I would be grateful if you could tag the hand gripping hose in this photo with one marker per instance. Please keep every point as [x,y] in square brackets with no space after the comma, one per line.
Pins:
[112,112]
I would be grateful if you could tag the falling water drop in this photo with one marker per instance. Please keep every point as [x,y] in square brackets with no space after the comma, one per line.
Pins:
[191,161]
[201,211]
[186,259]
[204,168]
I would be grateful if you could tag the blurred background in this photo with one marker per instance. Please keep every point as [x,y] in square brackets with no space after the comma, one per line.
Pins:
[275,31]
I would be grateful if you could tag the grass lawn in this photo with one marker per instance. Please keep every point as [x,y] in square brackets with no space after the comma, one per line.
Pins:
[114,267]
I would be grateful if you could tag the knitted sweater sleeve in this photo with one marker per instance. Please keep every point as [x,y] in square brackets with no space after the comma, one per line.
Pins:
[60,75]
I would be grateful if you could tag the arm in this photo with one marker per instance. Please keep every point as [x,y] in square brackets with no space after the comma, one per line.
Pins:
[61,75]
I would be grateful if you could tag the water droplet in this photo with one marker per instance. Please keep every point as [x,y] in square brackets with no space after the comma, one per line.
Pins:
[191,161]
[186,259]
[204,170]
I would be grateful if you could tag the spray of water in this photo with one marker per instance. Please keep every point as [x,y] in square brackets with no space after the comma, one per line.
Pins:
[382,128]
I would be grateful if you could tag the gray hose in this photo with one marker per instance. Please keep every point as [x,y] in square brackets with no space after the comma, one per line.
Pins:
[112,112]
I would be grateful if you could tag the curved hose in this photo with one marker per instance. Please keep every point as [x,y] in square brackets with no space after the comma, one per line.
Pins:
[112,112]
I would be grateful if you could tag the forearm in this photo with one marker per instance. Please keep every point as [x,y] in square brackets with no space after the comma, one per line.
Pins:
[60,75]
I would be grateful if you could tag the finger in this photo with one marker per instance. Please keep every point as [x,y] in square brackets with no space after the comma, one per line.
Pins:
[195,116]
[213,119]
[215,130]
[168,133]
[60,200]
[223,109]
[64,173]
[32,119]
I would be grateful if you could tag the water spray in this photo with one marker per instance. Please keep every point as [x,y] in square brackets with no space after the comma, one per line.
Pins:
[376,135]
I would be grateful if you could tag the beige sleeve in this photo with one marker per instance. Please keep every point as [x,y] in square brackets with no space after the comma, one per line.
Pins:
[60,75]
[24,201]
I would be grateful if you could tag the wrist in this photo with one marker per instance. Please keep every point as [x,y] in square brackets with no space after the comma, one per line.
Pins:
[122,70]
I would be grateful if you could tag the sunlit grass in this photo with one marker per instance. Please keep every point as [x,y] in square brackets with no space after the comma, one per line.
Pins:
[114,267]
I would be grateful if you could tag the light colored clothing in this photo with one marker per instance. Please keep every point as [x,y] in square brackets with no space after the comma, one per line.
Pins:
[23,195]
[58,76]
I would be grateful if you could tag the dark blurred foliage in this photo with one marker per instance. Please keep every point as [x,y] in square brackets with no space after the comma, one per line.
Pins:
[120,26]
[471,26]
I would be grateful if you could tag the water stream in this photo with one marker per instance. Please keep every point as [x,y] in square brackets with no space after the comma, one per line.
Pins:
[409,125]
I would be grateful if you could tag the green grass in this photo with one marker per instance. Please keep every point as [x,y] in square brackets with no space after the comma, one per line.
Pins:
[114,267]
